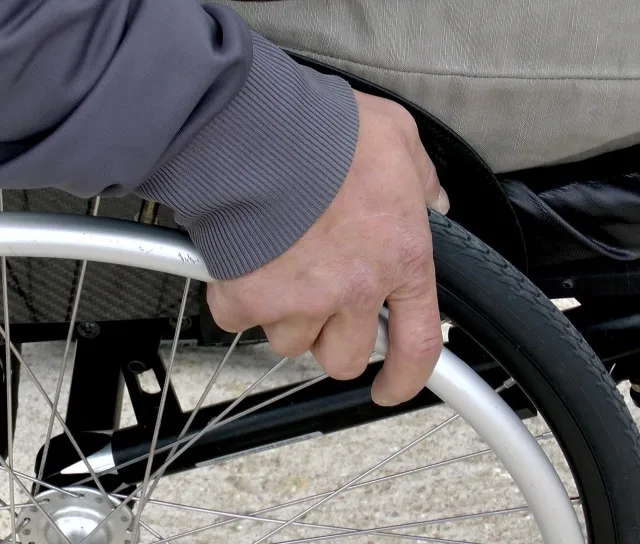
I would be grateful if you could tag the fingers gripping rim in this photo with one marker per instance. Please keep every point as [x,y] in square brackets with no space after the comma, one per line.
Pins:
[490,416]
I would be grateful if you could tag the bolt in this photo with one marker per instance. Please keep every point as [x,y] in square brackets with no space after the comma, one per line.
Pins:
[568,283]
[88,329]
[137,367]
[186,323]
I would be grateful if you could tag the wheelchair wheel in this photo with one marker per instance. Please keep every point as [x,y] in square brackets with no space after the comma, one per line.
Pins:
[107,482]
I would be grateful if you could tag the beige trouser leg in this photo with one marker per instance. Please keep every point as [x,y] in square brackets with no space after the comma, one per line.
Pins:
[526,82]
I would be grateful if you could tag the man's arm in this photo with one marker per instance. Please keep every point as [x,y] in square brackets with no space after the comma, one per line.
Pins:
[180,103]
[311,205]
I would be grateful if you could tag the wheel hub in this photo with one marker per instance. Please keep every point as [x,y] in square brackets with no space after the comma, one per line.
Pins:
[76,517]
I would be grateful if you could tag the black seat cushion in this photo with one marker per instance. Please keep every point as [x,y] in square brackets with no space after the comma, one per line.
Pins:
[582,211]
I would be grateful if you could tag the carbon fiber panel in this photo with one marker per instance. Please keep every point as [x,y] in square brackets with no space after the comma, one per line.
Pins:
[42,290]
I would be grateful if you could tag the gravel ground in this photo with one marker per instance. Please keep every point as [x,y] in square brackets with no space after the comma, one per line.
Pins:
[294,471]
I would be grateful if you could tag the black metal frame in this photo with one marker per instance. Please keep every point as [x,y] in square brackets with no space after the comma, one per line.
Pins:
[122,350]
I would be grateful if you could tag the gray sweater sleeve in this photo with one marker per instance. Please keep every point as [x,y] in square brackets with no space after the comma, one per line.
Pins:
[179,103]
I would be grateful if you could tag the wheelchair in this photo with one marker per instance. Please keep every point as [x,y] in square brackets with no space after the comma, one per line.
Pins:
[521,373]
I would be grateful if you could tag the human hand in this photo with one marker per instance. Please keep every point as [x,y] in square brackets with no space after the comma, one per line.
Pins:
[372,244]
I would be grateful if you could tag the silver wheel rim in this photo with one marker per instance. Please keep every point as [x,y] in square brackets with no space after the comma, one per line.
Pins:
[131,244]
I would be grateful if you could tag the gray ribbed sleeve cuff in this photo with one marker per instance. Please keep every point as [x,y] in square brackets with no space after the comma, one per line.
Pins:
[254,180]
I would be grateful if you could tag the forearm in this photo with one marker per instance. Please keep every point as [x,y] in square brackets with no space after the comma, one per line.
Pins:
[254,180]
[181,104]
[96,94]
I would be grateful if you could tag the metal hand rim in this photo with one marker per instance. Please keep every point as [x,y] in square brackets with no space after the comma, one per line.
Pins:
[163,250]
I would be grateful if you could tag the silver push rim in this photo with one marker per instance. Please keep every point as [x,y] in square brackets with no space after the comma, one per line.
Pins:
[163,250]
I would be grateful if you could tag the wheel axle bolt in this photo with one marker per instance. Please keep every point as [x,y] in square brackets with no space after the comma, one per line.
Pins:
[88,329]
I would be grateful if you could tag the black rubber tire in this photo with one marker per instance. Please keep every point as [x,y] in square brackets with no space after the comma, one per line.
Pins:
[535,343]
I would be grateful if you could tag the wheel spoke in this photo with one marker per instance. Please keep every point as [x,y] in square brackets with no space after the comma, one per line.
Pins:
[42,483]
[410,472]
[212,426]
[205,393]
[6,507]
[19,528]
[422,523]
[197,408]
[8,385]
[355,480]
[150,530]
[163,401]
[424,468]
[216,421]
[65,357]
[34,502]
[359,485]
[508,384]
[345,530]
[58,416]
[368,532]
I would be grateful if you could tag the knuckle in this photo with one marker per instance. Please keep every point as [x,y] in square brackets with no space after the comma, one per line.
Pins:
[321,305]
[339,363]
[224,314]
[406,124]
[363,288]
[291,338]
[402,117]
[415,253]
[425,344]
[343,369]
[287,347]
[227,324]
[320,295]
[410,126]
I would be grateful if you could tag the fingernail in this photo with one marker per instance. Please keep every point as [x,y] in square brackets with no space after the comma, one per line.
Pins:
[382,401]
[442,204]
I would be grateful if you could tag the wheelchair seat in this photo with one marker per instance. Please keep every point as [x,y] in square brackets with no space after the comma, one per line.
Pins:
[581,222]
